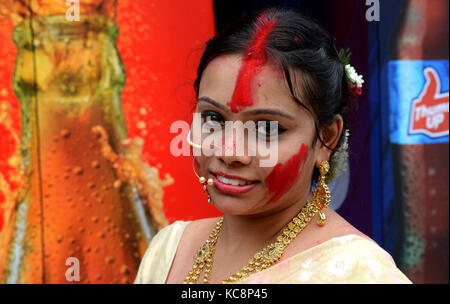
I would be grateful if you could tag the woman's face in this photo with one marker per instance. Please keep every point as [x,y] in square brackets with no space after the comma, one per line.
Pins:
[267,189]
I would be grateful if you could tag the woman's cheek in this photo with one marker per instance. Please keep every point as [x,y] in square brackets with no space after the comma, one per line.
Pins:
[284,176]
[197,167]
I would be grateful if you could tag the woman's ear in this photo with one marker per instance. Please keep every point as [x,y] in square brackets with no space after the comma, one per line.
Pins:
[330,136]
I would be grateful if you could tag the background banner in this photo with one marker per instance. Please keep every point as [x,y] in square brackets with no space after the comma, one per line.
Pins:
[89,91]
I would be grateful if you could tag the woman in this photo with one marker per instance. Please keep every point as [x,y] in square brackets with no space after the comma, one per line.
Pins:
[275,67]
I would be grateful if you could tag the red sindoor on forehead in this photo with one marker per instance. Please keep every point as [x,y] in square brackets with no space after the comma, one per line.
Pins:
[252,63]
[284,176]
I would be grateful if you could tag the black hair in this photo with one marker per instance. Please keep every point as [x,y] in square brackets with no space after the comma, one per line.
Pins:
[305,52]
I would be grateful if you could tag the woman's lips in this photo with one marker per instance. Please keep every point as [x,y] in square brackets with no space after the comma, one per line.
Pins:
[233,189]
[232,176]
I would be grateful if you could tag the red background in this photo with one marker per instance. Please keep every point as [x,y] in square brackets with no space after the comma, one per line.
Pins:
[160,43]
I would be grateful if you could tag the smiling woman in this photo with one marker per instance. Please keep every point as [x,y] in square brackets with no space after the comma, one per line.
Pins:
[278,67]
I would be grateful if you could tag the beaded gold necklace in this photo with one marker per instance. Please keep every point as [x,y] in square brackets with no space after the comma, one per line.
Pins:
[261,260]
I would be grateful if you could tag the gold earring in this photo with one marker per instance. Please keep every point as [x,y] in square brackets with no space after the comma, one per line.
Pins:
[321,195]
[203,181]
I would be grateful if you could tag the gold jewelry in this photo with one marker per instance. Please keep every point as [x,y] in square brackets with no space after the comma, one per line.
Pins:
[191,143]
[261,260]
[203,181]
[321,195]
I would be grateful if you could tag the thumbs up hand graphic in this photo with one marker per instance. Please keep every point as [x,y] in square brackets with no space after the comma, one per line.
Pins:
[430,111]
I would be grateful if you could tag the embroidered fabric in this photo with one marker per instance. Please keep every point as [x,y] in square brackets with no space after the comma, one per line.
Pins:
[344,259]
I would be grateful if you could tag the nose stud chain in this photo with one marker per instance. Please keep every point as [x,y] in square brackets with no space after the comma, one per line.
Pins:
[205,182]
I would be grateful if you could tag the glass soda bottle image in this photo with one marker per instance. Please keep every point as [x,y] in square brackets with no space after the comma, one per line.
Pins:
[88,206]
[418,82]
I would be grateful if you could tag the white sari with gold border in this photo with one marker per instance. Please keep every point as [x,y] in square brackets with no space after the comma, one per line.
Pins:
[344,259]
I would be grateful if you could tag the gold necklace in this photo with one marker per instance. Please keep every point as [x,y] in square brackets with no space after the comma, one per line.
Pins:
[261,260]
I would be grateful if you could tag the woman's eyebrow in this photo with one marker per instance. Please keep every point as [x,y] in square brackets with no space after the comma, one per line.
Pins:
[252,112]
[213,102]
[269,111]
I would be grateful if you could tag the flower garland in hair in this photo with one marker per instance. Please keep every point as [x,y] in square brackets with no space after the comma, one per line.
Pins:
[338,161]
[354,80]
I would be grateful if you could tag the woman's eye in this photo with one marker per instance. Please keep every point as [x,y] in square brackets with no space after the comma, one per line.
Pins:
[269,128]
[213,118]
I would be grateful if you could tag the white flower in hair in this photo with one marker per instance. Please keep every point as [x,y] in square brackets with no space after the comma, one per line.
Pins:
[352,76]
[354,80]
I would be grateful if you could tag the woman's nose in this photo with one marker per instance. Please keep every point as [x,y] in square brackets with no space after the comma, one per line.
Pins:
[233,149]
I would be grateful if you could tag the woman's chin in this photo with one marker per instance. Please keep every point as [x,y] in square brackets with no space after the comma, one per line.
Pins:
[233,205]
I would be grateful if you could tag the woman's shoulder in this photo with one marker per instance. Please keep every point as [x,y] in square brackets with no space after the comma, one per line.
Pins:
[356,258]
[168,235]
[184,229]
[351,256]
[174,228]
[343,259]
[173,240]
[159,254]
[198,229]
[336,253]
[194,235]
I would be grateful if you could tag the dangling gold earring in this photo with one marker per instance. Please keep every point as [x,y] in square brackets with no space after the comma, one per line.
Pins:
[321,195]
[203,181]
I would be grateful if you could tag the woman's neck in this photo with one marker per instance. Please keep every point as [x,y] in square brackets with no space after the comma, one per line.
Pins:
[256,231]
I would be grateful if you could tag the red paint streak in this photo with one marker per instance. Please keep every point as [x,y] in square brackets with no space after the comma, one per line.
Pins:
[284,176]
[252,63]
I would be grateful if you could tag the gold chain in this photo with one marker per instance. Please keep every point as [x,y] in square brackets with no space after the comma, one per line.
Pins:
[261,260]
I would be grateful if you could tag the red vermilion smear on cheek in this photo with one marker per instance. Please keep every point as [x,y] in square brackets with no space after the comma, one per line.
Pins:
[251,65]
[284,176]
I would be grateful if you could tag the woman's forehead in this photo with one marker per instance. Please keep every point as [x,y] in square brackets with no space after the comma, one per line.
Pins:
[268,85]
[232,63]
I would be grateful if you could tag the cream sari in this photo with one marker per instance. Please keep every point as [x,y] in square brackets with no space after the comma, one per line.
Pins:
[344,259]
